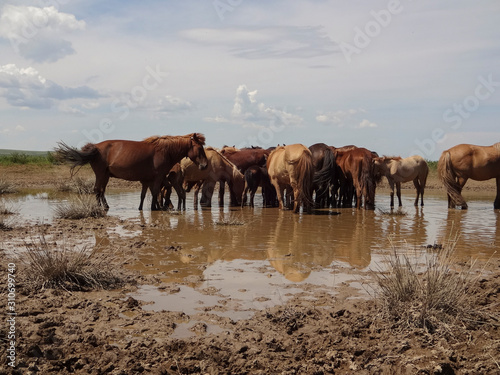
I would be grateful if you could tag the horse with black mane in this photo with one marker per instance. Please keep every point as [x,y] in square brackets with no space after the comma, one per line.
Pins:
[147,161]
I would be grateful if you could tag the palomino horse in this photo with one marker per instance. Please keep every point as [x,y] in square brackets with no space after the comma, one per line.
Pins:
[219,168]
[459,163]
[358,171]
[147,161]
[292,165]
[398,170]
[325,173]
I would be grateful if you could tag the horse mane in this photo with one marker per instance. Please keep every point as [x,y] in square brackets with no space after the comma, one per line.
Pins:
[171,140]
[236,171]
[174,141]
[389,158]
[497,146]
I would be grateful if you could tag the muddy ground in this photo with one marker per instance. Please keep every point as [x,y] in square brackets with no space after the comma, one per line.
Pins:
[108,332]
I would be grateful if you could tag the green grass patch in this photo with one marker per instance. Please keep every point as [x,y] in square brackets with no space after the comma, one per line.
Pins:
[24,158]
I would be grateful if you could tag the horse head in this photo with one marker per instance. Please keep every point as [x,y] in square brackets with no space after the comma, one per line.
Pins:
[196,152]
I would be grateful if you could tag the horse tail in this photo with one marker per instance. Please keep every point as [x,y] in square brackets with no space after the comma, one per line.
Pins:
[449,179]
[70,154]
[327,174]
[304,175]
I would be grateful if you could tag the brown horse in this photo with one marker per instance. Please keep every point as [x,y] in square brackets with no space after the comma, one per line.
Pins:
[459,163]
[256,176]
[174,179]
[398,170]
[292,166]
[147,161]
[219,168]
[325,173]
[358,171]
[246,157]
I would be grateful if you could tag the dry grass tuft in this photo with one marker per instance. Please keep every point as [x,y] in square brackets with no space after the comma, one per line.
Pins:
[79,207]
[7,187]
[434,294]
[51,266]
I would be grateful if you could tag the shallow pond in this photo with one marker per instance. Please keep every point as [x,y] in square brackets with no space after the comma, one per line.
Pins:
[233,261]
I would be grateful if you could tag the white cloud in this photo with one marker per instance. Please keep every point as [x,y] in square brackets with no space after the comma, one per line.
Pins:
[267,42]
[248,112]
[340,117]
[39,34]
[25,87]
[367,124]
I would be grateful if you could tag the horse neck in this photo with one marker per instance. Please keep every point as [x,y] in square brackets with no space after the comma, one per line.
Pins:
[178,149]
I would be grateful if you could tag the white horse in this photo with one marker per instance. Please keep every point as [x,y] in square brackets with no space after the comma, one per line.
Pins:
[398,170]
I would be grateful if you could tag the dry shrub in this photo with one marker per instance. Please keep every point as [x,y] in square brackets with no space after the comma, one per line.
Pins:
[77,185]
[6,187]
[79,207]
[55,266]
[83,186]
[435,294]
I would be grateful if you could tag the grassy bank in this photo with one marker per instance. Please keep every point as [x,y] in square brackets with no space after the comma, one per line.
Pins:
[23,158]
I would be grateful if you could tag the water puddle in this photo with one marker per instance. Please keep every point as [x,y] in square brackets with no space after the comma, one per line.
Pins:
[232,262]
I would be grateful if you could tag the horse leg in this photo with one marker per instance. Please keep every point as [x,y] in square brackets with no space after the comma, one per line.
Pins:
[143,194]
[496,204]
[420,192]
[461,182]
[398,192]
[154,187]
[252,196]
[279,193]
[391,185]
[100,187]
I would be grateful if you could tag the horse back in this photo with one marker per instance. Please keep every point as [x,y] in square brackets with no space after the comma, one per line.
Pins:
[476,162]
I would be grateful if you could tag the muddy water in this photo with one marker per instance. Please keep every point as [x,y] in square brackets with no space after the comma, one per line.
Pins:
[233,261]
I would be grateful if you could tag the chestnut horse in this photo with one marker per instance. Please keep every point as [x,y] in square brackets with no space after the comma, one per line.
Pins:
[459,163]
[398,170]
[292,166]
[358,171]
[219,168]
[246,157]
[147,161]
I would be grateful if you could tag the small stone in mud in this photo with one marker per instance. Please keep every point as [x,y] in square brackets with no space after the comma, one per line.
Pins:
[199,328]
[132,302]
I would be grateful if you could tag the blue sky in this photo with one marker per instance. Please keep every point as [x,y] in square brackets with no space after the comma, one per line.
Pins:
[398,77]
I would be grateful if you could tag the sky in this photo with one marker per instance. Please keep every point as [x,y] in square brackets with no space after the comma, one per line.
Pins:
[397,77]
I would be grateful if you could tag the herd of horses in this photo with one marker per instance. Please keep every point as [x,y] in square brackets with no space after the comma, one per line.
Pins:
[291,176]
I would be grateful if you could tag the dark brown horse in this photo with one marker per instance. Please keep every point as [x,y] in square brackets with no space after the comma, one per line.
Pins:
[256,176]
[243,158]
[147,161]
[325,173]
[464,161]
[358,170]
[246,157]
